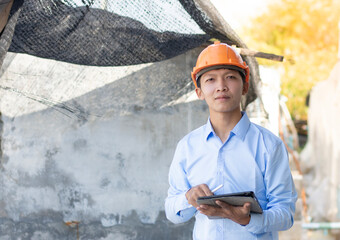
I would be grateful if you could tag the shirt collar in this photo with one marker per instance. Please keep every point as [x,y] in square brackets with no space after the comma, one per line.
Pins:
[209,131]
[239,130]
[242,126]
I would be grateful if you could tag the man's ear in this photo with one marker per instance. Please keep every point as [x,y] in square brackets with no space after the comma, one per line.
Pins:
[245,88]
[199,93]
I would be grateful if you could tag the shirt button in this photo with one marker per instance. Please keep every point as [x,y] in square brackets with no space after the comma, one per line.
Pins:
[219,228]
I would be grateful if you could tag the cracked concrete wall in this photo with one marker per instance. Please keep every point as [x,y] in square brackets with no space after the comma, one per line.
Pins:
[91,147]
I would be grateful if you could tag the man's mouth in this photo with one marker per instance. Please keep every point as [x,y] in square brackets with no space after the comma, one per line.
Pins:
[222,98]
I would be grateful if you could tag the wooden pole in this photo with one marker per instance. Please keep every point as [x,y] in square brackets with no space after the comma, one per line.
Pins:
[253,53]
[5,8]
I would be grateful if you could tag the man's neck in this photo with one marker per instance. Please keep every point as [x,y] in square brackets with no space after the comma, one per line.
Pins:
[223,123]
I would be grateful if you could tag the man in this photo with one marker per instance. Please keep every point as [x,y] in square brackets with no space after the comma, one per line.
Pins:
[232,151]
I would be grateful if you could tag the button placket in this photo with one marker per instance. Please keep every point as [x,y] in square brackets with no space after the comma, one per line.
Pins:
[220,167]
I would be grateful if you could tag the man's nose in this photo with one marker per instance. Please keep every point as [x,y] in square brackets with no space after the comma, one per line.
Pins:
[221,85]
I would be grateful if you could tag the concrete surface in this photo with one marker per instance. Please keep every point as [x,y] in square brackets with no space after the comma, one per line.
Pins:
[91,145]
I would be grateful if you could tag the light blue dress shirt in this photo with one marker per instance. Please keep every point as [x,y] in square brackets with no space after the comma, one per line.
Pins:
[252,159]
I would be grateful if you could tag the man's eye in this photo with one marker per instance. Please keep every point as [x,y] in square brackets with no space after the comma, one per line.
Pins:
[209,79]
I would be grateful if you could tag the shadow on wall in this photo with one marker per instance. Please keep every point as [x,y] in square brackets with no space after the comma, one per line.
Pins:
[100,159]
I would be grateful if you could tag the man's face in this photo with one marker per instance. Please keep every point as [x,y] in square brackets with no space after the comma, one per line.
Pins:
[222,90]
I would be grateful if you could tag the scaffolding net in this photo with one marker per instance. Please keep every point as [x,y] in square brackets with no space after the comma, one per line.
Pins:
[109,33]
[115,32]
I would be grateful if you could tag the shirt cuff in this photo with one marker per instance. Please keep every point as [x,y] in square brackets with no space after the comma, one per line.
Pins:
[183,208]
[255,222]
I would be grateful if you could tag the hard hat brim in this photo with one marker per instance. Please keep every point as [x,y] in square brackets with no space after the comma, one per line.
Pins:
[232,67]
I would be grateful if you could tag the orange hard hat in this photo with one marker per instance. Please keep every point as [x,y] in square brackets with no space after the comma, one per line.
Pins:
[219,55]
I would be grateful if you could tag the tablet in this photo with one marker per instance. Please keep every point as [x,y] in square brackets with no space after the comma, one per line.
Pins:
[235,199]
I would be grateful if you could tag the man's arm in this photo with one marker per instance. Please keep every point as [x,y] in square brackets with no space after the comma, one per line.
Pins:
[180,205]
[281,195]
[177,207]
[189,203]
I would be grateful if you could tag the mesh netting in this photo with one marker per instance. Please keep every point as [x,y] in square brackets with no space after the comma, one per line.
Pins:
[109,33]
[114,32]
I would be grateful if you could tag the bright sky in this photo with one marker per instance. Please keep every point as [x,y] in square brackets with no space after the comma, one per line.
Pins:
[238,12]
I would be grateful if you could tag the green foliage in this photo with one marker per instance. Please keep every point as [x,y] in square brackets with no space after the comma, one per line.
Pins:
[306,33]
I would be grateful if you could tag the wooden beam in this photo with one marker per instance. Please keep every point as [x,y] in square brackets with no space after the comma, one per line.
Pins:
[270,56]
[5,8]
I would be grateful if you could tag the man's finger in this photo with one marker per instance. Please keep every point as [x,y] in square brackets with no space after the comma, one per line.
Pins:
[206,190]
[208,210]
[222,204]
[247,205]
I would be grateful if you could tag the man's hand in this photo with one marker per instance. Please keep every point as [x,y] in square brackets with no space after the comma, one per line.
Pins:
[201,190]
[238,214]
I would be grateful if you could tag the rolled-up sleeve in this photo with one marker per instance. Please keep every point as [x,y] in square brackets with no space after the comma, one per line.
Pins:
[177,208]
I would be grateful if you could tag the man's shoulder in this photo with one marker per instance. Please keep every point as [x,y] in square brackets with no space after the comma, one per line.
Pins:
[194,136]
[265,135]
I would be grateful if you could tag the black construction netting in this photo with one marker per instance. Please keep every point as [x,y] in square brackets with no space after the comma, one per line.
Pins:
[113,32]
[109,32]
